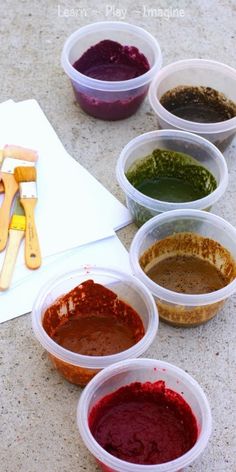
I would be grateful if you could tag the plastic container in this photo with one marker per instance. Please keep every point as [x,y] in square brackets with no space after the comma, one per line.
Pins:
[196,72]
[77,368]
[106,99]
[144,370]
[143,207]
[181,309]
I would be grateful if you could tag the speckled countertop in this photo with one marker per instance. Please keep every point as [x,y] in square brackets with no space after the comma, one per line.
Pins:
[38,427]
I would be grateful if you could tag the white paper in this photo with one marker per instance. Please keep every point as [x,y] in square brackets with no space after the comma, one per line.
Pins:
[39,134]
[20,298]
[6,105]
[73,208]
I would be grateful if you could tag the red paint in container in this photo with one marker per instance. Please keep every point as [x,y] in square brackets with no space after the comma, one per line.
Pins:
[110,61]
[144,423]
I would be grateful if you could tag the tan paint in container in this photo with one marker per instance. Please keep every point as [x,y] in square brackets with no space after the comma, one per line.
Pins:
[189,244]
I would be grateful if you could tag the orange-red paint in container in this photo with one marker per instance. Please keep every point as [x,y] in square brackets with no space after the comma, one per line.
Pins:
[105,317]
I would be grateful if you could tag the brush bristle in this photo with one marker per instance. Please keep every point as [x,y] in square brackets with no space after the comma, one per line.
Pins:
[18,152]
[25,174]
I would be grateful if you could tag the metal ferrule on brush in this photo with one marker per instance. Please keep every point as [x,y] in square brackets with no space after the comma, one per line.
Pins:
[10,163]
[28,189]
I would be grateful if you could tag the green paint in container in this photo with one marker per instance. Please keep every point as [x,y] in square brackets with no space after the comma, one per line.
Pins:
[169,176]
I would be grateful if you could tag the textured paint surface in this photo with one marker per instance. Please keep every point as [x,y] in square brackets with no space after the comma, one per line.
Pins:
[144,423]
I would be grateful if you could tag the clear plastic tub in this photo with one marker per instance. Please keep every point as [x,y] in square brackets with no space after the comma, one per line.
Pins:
[144,370]
[110,100]
[143,207]
[77,368]
[196,72]
[180,309]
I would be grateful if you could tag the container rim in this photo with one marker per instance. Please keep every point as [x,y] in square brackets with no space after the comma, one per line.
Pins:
[159,205]
[173,120]
[118,464]
[106,85]
[94,362]
[169,295]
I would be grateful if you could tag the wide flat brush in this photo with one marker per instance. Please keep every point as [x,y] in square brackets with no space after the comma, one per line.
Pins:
[16,234]
[18,152]
[13,156]
[26,177]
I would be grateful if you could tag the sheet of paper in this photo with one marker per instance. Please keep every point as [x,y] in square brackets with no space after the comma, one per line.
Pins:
[20,298]
[73,208]
[6,105]
[40,134]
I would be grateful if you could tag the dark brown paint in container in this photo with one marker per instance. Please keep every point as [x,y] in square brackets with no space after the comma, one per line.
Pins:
[198,104]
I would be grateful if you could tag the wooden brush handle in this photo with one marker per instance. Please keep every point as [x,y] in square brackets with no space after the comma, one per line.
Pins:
[1,183]
[14,240]
[11,188]
[32,249]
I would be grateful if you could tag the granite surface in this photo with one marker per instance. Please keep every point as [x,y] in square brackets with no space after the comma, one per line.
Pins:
[38,426]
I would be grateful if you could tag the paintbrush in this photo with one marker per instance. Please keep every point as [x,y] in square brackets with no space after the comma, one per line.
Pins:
[13,156]
[26,177]
[18,152]
[1,159]
[16,234]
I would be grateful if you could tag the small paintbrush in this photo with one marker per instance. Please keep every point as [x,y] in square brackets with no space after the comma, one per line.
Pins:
[26,177]
[16,234]
[1,184]
[19,152]
[13,156]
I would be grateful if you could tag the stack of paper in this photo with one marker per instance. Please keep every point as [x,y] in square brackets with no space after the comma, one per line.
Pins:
[75,215]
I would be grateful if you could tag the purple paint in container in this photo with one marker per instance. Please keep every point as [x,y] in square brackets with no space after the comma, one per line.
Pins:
[111,65]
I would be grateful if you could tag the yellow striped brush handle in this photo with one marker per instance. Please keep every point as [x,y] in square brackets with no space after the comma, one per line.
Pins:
[18,222]
[15,236]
